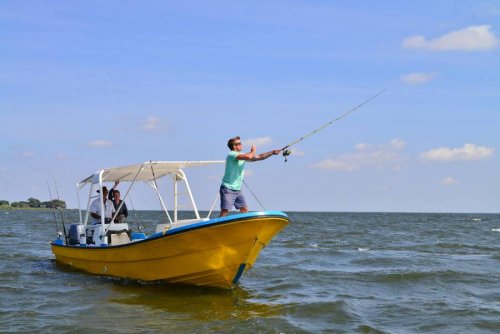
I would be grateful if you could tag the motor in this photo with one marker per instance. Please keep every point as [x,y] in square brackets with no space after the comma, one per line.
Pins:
[76,231]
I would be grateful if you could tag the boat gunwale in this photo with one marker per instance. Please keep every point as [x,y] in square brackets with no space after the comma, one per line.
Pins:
[187,228]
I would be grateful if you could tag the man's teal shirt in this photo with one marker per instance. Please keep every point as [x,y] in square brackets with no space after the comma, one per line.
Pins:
[234,172]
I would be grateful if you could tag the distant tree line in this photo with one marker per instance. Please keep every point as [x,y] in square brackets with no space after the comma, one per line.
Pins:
[35,203]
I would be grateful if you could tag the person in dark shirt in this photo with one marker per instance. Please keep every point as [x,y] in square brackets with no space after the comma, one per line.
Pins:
[114,196]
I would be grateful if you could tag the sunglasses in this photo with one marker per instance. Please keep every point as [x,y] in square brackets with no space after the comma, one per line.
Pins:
[236,144]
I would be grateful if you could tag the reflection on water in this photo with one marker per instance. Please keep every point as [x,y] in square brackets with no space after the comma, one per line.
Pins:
[204,304]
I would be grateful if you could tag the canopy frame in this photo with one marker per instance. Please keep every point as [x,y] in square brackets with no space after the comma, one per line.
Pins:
[148,172]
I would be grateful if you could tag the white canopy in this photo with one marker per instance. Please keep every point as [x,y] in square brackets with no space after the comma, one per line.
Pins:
[147,171]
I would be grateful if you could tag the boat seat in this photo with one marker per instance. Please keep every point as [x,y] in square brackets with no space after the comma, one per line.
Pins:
[119,238]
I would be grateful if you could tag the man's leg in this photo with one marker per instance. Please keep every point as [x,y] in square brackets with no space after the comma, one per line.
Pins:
[240,203]
[226,200]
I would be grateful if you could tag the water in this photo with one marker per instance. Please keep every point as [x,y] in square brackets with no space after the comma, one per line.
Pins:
[326,272]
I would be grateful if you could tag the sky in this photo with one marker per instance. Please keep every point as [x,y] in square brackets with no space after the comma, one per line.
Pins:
[87,85]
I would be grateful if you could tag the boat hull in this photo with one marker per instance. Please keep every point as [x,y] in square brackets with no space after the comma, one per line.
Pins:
[211,253]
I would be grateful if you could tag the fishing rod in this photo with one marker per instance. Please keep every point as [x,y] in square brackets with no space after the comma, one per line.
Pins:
[139,228]
[53,210]
[60,211]
[287,152]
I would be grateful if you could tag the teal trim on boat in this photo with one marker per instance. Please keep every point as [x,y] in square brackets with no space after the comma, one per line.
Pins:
[241,269]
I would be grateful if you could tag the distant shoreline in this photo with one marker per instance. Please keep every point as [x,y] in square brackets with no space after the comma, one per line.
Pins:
[8,207]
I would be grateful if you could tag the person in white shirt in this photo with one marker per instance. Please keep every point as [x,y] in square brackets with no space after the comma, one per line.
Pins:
[95,208]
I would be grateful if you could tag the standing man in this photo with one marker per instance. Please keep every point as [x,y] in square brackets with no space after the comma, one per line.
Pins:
[230,190]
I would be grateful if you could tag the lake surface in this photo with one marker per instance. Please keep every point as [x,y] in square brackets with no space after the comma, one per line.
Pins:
[325,273]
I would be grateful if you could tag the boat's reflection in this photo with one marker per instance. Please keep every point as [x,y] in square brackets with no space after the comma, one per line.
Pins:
[193,302]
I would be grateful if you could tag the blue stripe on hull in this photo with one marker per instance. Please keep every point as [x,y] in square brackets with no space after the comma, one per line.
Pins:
[221,220]
[241,269]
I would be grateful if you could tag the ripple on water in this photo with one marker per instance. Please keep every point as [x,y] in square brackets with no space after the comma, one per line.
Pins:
[433,273]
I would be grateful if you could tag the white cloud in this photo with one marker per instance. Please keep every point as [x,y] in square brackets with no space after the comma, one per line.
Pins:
[381,156]
[154,124]
[257,141]
[473,38]
[296,152]
[336,165]
[468,152]
[393,145]
[100,143]
[62,156]
[363,147]
[448,181]
[28,154]
[397,144]
[417,78]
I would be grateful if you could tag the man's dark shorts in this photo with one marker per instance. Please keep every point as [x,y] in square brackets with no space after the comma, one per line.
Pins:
[229,197]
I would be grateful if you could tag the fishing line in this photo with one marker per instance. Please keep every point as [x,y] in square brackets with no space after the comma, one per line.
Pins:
[287,152]
[140,228]
[254,195]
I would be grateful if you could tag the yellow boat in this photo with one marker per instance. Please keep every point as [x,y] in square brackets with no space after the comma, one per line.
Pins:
[200,251]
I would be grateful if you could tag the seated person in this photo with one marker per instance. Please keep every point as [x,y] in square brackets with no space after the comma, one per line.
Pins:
[111,195]
[117,202]
[95,208]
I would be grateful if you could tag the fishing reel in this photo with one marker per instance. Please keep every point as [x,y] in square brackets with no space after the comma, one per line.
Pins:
[286,153]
